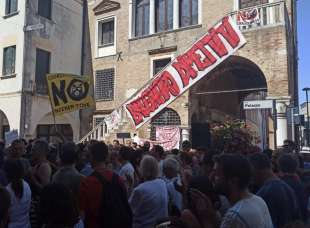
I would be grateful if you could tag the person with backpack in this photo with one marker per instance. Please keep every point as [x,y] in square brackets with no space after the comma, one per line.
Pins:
[102,195]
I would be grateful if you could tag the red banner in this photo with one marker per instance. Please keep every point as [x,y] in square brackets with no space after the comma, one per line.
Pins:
[208,52]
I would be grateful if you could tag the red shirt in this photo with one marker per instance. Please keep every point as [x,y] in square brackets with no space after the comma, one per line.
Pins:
[90,197]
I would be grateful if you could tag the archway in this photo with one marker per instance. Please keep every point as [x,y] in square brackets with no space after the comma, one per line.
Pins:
[220,95]
[4,125]
[167,117]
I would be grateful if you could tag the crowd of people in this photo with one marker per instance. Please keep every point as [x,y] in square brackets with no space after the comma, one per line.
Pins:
[98,185]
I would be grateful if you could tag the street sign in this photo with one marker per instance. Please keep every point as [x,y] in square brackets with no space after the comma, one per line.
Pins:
[258,104]
[34,27]
[123,135]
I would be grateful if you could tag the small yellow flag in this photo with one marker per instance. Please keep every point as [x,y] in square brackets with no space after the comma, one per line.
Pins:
[69,93]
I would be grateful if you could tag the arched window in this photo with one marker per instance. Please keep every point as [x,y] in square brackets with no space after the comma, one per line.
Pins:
[167,117]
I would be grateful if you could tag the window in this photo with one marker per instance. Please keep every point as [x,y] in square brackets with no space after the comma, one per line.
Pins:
[250,3]
[9,56]
[164,15]
[188,12]
[11,6]
[45,8]
[142,17]
[159,64]
[98,120]
[104,89]
[48,132]
[106,33]
[42,68]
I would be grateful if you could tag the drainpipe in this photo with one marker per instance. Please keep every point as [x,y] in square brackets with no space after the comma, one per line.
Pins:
[23,110]
[82,53]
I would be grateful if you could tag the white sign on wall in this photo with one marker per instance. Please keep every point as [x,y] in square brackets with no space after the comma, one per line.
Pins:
[258,104]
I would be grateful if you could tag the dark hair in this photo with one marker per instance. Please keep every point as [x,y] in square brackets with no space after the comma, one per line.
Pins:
[186,157]
[58,206]
[15,171]
[136,157]
[175,151]
[260,161]
[204,185]
[68,153]
[235,166]
[159,150]
[17,141]
[287,163]
[208,159]
[146,146]
[5,204]
[99,151]
[41,146]
[116,141]
[268,152]
[186,145]
[125,152]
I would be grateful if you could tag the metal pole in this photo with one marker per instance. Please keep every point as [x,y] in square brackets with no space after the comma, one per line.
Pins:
[293,124]
[275,124]
[308,135]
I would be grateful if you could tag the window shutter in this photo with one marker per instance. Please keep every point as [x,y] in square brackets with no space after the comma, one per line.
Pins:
[104,88]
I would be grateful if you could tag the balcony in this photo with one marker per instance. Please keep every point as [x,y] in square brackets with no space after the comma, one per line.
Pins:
[266,15]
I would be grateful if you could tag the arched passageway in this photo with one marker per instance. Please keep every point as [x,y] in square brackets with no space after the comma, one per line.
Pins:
[219,96]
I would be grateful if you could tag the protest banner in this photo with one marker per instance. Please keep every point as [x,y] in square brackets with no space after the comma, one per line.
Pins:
[218,44]
[69,93]
[248,17]
[113,119]
[170,137]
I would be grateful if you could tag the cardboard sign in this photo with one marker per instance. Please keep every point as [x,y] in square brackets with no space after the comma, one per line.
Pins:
[208,52]
[69,93]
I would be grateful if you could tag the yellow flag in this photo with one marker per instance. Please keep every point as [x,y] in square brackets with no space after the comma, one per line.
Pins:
[69,93]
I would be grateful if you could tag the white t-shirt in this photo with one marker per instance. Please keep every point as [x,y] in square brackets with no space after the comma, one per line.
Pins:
[20,208]
[248,213]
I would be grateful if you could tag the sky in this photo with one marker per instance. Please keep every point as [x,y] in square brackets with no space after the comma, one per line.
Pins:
[303,19]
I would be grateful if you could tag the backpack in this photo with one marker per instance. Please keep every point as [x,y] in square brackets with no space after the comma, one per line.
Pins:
[114,210]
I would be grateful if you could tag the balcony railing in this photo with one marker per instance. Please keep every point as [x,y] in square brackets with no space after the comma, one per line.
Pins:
[270,14]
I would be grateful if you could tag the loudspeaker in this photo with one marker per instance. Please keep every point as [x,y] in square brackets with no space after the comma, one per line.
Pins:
[201,135]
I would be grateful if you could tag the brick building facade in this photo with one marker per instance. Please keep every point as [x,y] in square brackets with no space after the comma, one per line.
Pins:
[132,40]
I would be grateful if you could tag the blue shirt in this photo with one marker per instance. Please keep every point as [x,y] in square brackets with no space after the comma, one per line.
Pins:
[87,170]
[149,203]
[281,202]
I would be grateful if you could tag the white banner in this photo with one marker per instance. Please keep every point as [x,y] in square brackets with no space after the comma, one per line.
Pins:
[113,119]
[218,44]
[248,17]
[169,136]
